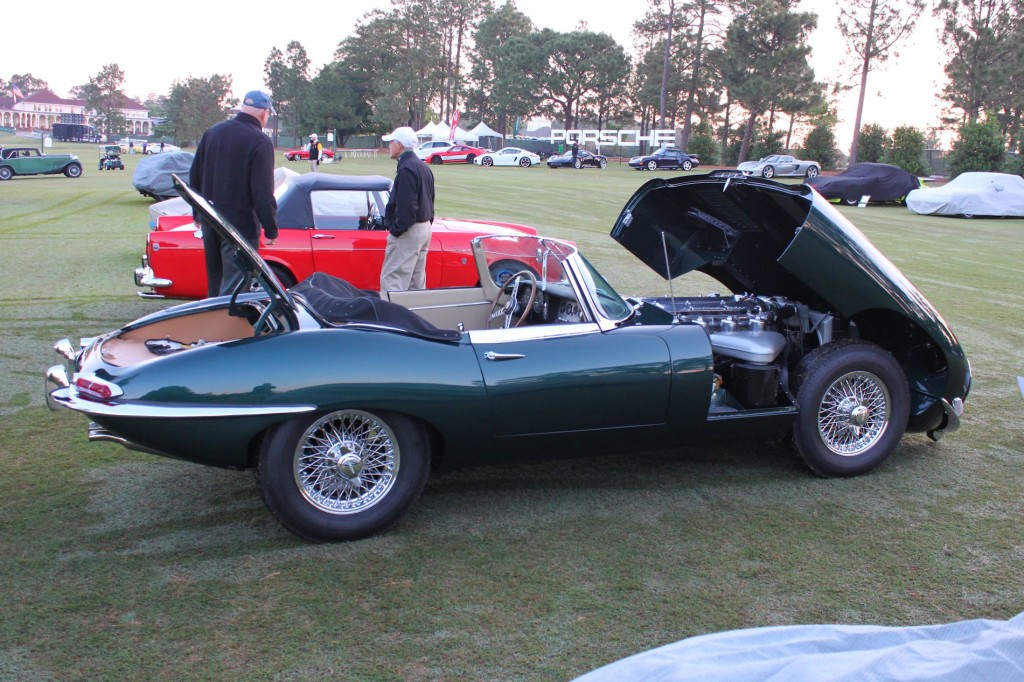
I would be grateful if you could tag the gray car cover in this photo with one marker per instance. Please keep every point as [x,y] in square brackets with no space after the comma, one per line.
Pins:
[153,174]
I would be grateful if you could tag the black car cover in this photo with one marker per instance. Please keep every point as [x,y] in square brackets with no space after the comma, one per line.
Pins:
[338,302]
[880,181]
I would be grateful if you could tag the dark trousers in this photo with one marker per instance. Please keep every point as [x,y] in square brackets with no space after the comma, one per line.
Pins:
[223,271]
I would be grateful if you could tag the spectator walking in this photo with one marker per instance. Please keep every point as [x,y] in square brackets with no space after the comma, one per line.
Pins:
[315,151]
[234,170]
[408,216]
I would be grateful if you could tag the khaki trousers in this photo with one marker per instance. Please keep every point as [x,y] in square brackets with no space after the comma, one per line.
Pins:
[405,260]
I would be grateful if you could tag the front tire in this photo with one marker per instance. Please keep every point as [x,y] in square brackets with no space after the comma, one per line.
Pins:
[768,172]
[577,164]
[854,403]
[487,161]
[652,165]
[435,160]
[687,165]
[73,170]
[343,475]
[604,163]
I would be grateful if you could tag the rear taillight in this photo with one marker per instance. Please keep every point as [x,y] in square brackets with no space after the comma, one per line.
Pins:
[91,388]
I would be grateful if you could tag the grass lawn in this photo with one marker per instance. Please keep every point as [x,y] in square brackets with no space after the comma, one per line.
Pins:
[117,565]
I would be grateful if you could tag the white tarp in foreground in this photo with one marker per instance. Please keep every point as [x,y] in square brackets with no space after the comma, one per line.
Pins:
[972,650]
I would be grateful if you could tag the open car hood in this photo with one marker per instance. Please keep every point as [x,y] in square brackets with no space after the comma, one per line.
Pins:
[733,229]
[250,261]
[766,238]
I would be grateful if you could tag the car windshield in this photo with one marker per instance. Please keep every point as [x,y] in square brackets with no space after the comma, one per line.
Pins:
[548,259]
[771,158]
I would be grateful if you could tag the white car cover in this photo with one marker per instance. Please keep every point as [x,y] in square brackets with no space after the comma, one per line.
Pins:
[972,194]
[965,651]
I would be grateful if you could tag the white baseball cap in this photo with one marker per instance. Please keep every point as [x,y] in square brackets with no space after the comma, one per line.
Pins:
[405,135]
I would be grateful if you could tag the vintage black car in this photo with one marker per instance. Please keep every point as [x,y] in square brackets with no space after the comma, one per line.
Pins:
[666,157]
[583,159]
[344,401]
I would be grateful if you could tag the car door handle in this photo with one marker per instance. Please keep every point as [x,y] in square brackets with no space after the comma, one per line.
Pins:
[323,236]
[491,355]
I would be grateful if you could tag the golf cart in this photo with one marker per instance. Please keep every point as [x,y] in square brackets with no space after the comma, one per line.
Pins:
[110,157]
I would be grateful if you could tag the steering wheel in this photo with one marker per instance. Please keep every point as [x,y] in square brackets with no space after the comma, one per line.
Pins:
[512,285]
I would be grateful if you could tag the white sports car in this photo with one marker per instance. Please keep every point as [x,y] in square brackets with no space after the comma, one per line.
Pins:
[509,156]
[780,165]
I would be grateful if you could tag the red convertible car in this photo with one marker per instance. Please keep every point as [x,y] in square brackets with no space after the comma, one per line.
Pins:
[329,223]
[303,154]
[459,153]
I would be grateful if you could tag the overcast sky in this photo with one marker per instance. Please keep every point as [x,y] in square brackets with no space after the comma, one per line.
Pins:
[200,38]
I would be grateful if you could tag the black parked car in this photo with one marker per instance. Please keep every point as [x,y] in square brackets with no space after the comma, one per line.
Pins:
[583,159]
[665,158]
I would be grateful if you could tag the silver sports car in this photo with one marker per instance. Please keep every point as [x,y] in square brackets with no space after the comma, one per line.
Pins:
[780,165]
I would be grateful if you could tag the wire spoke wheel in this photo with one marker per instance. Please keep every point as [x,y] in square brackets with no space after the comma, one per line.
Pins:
[854,413]
[345,474]
[346,462]
[854,402]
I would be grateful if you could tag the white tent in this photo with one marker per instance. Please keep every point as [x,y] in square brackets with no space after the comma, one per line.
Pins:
[429,131]
[441,132]
[482,130]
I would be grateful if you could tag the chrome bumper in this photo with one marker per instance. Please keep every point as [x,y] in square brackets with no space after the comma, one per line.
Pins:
[144,277]
[953,410]
[56,378]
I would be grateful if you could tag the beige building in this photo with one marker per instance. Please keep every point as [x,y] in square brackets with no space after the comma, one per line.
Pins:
[40,110]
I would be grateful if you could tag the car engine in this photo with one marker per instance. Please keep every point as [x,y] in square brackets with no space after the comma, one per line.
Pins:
[754,340]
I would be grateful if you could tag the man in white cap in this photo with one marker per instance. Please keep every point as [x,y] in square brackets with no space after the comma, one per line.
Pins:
[408,216]
[234,170]
[315,150]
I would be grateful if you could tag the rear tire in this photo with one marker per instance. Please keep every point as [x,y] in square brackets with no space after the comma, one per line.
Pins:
[812,171]
[343,475]
[525,162]
[6,173]
[854,403]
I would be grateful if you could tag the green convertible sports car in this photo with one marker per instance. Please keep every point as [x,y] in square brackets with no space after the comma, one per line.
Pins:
[344,400]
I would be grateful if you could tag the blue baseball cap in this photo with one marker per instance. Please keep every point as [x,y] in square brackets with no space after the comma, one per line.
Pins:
[260,100]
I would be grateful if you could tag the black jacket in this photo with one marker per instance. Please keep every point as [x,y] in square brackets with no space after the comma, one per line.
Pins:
[234,169]
[412,196]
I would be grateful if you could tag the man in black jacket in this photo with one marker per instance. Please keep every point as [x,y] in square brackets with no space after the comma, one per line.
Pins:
[408,216]
[234,169]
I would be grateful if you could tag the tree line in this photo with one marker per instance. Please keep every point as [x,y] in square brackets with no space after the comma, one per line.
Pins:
[733,76]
